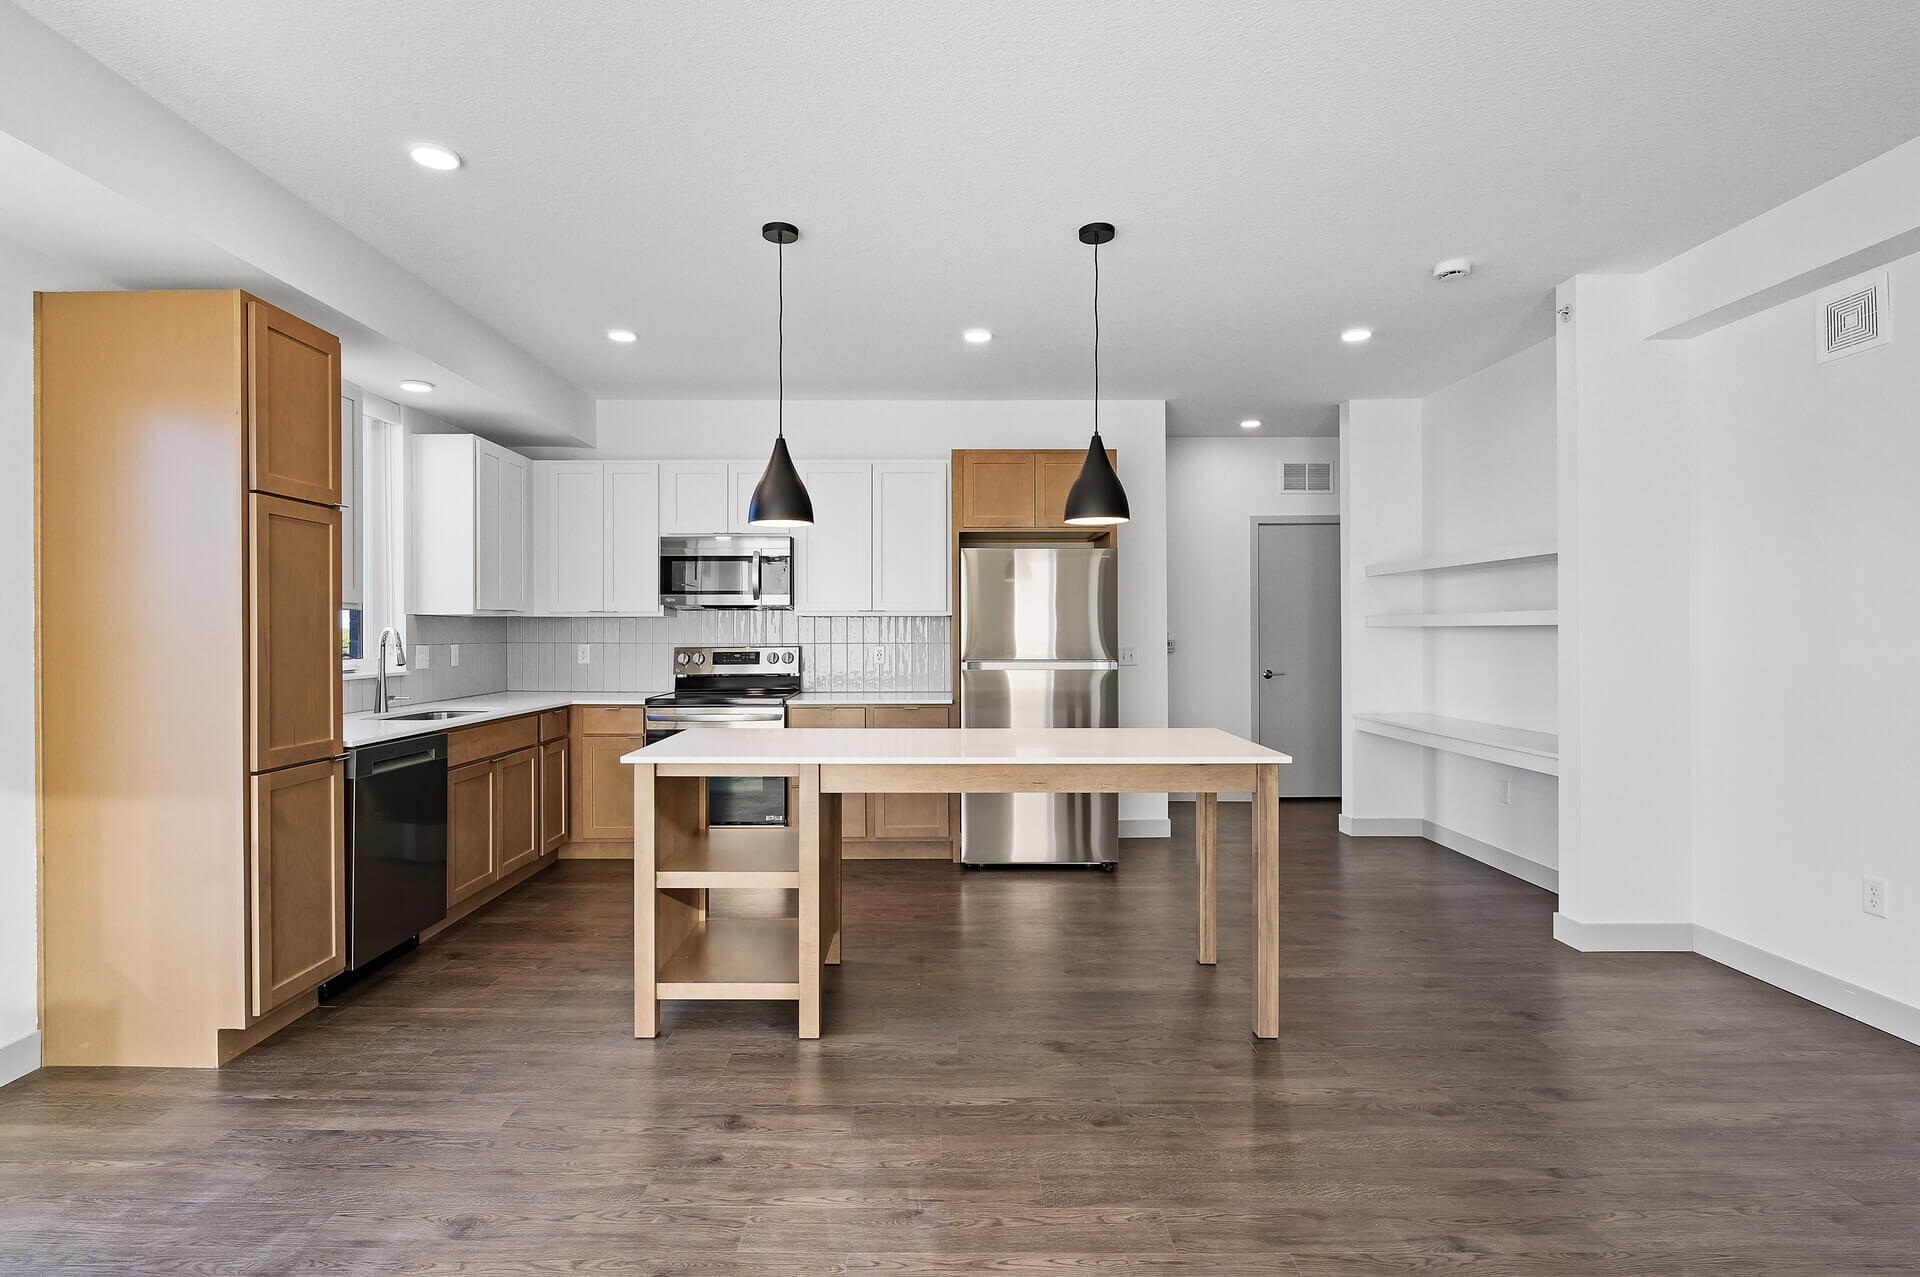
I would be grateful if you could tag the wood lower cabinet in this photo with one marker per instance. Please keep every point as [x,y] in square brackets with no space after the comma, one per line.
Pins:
[472,847]
[297,871]
[516,790]
[888,826]
[556,783]
[603,797]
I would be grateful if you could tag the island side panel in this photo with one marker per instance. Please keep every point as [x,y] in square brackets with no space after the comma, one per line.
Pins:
[808,820]
[1266,902]
[1206,848]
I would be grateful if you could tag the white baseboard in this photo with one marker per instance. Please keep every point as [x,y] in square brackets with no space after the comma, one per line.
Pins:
[19,1057]
[1875,1009]
[1161,828]
[1512,863]
[1382,826]
[1623,937]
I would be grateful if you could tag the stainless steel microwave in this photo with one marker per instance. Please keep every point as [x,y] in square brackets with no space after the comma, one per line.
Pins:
[698,573]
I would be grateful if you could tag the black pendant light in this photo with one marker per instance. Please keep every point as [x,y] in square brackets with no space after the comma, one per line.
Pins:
[1096,498]
[780,500]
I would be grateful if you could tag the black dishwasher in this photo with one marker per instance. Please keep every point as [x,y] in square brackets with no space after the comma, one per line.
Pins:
[396,844]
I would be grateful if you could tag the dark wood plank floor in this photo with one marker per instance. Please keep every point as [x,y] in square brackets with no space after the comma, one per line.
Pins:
[1020,1072]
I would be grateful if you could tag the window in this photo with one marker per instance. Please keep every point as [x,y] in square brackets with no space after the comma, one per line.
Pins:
[373,519]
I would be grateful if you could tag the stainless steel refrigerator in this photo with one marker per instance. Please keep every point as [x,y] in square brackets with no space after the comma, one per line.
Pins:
[1038,649]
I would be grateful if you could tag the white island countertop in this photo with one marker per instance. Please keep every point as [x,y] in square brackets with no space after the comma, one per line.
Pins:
[962,746]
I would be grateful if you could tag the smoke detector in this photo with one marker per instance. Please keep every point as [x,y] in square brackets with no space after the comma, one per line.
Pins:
[1453,268]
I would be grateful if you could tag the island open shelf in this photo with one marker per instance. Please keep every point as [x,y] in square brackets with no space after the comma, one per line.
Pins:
[733,858]
[735,958]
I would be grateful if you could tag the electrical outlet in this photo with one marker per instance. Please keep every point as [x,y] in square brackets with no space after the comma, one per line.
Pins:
[583,654]
[1128,656]
[1873,896]
[879,658]
[453,653]
[1506,792]
[420,654]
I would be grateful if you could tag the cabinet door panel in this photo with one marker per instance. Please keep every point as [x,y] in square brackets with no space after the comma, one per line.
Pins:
[293,632]
[516,788]
[633,537]
[836,553]
[742,478]
[555,781]
[293,407]
[472,845]
[996,490]
[486,526]
[1054,476]
[297,863]
[512,596]
[911,540]
[576,536]
[909,816]
[605,810]
[693,498]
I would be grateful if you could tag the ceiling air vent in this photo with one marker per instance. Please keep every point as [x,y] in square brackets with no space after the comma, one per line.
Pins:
[1306,476]
[1852,317]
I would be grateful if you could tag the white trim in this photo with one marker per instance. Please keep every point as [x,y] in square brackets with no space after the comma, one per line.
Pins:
[1623,937]
[1869,1008]
[1147,828]
[19,1057]
[1512,863]
[1382,826]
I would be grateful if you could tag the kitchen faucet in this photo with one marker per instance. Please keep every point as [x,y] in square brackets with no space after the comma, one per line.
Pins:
[380,698]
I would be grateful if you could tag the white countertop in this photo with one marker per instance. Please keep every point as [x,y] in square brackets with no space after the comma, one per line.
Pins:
[872,698]
[370,729]
[959,745]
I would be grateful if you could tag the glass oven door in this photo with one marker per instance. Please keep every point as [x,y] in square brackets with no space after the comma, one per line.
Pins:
[732,801]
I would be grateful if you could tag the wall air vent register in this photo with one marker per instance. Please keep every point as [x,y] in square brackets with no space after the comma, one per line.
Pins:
[1851,317]
[1306,476]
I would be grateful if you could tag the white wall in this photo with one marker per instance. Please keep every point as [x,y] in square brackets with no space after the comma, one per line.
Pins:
[1214,489]
[22,273]
[1488,480]
[1805,616]
[904,430]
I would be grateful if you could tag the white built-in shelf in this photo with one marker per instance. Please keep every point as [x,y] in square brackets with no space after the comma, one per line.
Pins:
[1513,746]
[1465,559]
[1434,620]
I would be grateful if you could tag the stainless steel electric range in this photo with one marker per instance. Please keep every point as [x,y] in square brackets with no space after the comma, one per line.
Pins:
[732,688]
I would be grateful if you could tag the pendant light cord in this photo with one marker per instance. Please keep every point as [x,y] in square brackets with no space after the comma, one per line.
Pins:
[780,329]
[1096,340]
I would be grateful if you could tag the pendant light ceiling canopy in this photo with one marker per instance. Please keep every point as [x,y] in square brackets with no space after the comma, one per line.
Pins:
[780,499]
[1096,498]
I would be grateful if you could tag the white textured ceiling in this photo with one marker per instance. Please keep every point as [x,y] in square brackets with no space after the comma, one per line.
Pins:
[1278,170]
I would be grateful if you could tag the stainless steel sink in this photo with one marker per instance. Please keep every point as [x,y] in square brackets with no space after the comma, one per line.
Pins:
[432,715]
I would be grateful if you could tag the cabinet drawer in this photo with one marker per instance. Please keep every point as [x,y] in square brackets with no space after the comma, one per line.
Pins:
[553,724]
[490,740]
[603,720]
[908,716]
[827,716]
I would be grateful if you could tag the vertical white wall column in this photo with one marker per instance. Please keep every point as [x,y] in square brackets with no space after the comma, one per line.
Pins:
[1383,782]
[1625,752]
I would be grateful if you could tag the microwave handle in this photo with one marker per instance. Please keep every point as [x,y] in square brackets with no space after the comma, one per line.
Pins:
[756,576]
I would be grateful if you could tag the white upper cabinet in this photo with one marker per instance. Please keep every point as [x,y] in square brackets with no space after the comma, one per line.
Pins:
[695,498]
[468,520]
[633,538]
[835,555]
[911,537]
[742,478]
[573,536]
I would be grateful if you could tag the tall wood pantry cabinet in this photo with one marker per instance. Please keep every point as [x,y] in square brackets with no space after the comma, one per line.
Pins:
[191,779]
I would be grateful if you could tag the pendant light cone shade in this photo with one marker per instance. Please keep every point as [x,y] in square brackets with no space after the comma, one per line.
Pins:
[780,499]
[1096,498]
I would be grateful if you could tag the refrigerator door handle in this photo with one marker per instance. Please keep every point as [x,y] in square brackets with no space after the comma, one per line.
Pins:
[1038,665]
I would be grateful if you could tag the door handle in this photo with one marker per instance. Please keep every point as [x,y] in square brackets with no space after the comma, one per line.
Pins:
[1269,674]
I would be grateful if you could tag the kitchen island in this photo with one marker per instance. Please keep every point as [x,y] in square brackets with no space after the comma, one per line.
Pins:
[683,953]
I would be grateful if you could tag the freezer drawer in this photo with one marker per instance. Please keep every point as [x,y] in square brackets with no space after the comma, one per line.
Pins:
[1039,828]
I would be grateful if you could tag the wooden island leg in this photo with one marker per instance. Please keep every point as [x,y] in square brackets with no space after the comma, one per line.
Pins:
[1206,844]
[646,1006]
[1266,902]
[830,877]
[811,847]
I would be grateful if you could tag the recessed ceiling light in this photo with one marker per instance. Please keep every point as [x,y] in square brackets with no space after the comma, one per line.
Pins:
[417,387]
[1251,423]
[621,335]
[977,335]
[434,156]
[1354,336]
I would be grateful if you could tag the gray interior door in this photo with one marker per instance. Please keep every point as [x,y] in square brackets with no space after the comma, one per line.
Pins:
[1297,661]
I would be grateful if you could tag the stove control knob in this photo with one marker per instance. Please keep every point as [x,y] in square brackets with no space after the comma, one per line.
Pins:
[787,657]
[679,658]
[699,658]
